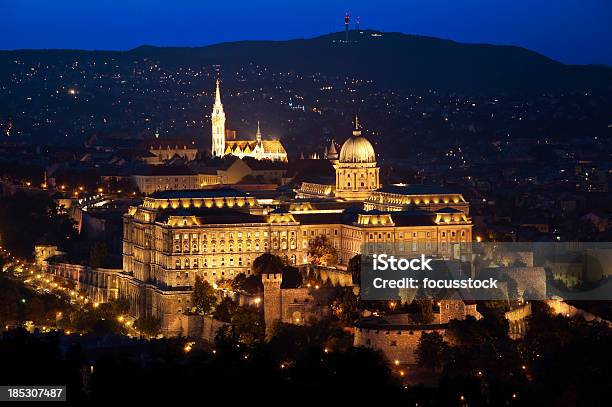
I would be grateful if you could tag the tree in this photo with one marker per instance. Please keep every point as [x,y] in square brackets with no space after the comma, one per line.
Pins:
[354,267]
[203,296]
[344,306]
[36,310]
[292,278]
[149,326]
[268,263]
[425,310]
[225,310]
[248,324]
[321,251]
[250,284]
[430,350]
[28,219]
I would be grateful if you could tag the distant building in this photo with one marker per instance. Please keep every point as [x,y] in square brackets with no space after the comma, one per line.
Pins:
[356,174]
[397,336]
[161,178]
[165,150]
[178,232]
[258,148]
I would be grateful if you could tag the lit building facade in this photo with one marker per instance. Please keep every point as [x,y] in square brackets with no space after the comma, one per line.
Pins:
[216,234]
[259,149]
[357,174]
[170,179]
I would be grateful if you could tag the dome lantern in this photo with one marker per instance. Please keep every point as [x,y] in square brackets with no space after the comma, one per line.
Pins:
[357,149]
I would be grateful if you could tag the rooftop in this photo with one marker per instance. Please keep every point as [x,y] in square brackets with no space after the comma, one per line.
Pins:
[213,216]
[199,193]
[416,189]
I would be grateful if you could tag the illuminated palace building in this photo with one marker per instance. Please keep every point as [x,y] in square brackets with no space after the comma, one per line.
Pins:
[221,146]
[174,236]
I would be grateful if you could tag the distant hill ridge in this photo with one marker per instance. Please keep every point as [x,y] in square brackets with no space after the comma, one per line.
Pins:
[394,60]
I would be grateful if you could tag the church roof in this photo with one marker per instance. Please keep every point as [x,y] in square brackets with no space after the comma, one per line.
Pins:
[269,146]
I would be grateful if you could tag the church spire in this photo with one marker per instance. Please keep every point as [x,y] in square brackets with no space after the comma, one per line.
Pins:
[332,148]
[217,94]
[258,134]
[218,125]
[357,130]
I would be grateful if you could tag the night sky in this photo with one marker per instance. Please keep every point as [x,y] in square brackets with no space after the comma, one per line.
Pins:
[571,31]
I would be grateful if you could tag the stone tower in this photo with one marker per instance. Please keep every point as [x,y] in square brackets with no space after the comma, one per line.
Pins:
[218,126]
[272,297]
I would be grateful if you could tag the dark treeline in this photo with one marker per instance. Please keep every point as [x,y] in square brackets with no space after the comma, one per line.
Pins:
[561,361]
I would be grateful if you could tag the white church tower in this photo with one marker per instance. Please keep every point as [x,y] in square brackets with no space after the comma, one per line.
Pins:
[218,126]
[258,151]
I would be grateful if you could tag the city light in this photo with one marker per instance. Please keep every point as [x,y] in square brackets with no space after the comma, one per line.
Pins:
[223,237]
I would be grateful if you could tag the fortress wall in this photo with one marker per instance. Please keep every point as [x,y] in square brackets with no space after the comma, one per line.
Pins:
[396,345]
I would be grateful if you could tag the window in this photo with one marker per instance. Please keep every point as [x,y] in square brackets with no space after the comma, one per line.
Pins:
[393,343]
